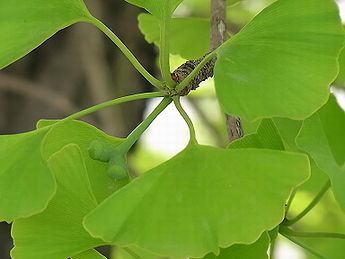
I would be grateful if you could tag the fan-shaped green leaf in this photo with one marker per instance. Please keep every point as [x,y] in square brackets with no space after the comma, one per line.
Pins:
[58,232]
[161,9]
[26,184]
[83,135]
[184,33]
[24,25]
[200,200]
[282,63]
[315,139]
[257,250]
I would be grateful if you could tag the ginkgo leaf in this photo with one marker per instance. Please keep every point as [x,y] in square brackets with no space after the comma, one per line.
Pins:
[161,9]
[58,233]
[24,25]
[315,140]
[26,184]
[82,134]
[257,250]
[282,63]
[200,200]
[184,32]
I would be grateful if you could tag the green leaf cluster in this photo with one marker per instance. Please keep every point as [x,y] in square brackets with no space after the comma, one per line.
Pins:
[66,185]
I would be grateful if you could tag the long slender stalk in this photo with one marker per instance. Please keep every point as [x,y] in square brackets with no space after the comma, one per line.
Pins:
[196,70]
[313,203]
[140,129]
[164,51]
[138,66]
[186,118]
[305,247]
[110,103]
[292,233]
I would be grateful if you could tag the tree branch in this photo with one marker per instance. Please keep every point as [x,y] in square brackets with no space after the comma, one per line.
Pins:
[218,36]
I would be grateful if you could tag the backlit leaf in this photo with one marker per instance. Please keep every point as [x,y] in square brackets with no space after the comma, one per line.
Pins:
[257,250]
[82,134]
[200,200]
[26,184]
[58,233]
[315,138]
[282,63]
[24,25]
[189,37]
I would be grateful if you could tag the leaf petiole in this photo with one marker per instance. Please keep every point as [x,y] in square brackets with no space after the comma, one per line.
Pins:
[292,233]
[186,118]
[196,70]
[124,99]
[164,50]
[313,203]
[140,129]
[305,247]
[129,55]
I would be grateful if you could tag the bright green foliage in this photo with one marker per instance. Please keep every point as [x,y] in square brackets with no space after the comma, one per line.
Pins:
[199,201]
[257,250]
[66,185]
[83,135]
[161,9]
[282,62]
[90,254]
[288,130]
[333,120]
[61,223]
[184,33]
[26,184]
[267,136]
[24,25]
[315,139]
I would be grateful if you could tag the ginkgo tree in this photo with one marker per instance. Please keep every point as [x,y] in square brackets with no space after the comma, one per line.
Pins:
[66,185]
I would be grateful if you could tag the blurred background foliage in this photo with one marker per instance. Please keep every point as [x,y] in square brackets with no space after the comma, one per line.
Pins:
[79,67]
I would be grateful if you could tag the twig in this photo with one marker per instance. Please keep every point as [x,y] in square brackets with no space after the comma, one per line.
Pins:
[218,36]
[33,90]
[193,72]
